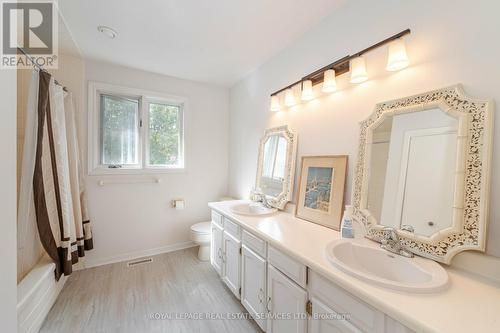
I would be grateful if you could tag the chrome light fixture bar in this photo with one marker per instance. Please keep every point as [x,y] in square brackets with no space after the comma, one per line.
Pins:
[343,66]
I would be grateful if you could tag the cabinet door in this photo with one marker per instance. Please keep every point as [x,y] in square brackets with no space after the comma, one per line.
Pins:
[325,320]
[286,303]
[231,263]
[253,285]
[216,248]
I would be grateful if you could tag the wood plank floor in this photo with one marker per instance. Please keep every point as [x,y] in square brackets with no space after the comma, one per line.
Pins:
[117,298]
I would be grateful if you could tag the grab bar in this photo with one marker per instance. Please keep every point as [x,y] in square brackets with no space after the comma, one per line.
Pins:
[135,181]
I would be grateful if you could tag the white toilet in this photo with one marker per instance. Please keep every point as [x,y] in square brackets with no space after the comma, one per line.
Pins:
[201,235]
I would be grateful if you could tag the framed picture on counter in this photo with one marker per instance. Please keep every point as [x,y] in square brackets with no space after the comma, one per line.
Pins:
[321,190]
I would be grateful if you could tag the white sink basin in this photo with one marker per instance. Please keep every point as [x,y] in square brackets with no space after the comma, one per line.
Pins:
[251,209]
[367,261]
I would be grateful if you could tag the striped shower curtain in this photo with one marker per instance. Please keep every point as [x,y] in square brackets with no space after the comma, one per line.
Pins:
[57,179]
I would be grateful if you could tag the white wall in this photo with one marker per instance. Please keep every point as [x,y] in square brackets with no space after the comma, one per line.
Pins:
[130,220]
[8,282]
[451,42]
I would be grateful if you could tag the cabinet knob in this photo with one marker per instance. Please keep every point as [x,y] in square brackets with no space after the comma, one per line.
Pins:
[261,296]
[267,304]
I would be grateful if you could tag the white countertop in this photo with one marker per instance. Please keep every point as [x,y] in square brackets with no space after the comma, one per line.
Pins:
[470,304]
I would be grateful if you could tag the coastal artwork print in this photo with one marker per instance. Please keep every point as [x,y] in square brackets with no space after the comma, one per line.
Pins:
[321,189]
[318,191]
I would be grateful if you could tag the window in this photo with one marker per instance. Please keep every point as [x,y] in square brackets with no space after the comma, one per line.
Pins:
[131,131]
[164,135]
[119,130]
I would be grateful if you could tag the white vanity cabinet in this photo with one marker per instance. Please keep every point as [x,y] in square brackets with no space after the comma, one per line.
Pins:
[225,251]
[216,243]
[286,303]
[286,293]
[295,298]
[335,310]
[231,256]
[254,277]
[358,314]
[326,320]
[253,285]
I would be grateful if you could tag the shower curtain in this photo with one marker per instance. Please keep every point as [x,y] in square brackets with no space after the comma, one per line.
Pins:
[29,248]
[53,168]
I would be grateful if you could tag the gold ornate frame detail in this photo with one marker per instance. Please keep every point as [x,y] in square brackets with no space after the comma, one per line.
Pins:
[472,181]
[285,196]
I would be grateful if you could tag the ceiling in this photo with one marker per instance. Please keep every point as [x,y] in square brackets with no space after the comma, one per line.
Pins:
[214,41]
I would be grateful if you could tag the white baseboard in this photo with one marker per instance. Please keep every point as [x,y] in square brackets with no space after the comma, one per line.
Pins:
[88,263]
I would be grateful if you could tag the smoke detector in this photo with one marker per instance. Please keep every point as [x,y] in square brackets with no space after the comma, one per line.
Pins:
[107,31]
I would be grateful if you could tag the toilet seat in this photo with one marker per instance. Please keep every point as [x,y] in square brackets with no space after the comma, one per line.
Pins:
[201,228]
[201,234]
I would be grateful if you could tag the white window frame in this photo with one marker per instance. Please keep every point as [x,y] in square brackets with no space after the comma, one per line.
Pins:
[95,89]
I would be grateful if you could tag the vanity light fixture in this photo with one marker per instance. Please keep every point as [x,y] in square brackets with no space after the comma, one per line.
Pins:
[275,103]
[397,59]
[289,98]
[307,90]
[358,70]
[329,81]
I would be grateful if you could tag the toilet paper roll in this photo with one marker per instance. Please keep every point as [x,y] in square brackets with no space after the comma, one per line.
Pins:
[179,204]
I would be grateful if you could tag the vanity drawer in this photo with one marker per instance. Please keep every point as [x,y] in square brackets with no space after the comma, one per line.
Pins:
[325,319]
[287,265]
[232,228]
[217,218]
[254,243]
[361,314]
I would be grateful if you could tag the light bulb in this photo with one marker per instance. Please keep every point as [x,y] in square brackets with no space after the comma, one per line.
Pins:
[397,58]
[275,103]
[329,82]
[307,91]
[289,98]
[358,70]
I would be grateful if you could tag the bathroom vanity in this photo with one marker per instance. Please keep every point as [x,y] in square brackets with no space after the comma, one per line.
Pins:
[277,264]
[421,189]
[271,282]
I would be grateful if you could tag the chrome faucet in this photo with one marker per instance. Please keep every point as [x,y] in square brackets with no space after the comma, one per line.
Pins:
[392,243]
[262,199]
[408,228]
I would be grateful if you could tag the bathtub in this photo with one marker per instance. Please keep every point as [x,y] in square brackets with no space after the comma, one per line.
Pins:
[36,293]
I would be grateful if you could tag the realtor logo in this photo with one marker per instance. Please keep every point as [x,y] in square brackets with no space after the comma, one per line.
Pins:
[29,34]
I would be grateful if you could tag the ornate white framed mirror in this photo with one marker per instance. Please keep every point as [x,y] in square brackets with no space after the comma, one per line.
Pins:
[423,168]
[276,165]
